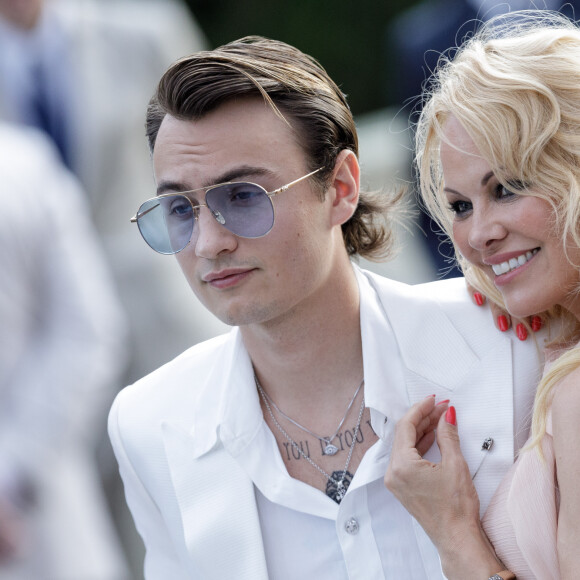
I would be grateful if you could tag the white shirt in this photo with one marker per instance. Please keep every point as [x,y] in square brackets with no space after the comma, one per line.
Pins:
[308,535]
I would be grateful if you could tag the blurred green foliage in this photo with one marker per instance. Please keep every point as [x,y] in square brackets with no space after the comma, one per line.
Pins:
[348,37]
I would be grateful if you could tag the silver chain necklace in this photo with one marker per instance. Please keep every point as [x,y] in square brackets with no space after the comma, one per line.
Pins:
[329,448]
[338,479]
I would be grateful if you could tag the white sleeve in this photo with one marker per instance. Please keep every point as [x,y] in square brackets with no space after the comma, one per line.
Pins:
[161,559]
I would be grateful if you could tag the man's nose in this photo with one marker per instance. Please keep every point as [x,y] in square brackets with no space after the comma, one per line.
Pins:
[210,237]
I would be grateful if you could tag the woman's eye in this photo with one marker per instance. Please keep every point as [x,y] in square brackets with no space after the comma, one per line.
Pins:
[460,207]
[514,187]
[503,192]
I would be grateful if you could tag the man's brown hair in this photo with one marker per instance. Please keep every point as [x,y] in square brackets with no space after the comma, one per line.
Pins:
[300,91]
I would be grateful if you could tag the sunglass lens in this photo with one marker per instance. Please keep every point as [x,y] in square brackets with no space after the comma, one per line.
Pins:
[243,208]
[166,223]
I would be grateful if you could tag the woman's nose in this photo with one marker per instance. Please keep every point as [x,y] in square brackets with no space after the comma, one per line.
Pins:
[486,227]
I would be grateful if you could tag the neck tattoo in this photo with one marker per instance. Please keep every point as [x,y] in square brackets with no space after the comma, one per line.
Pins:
[339,481]
[329,448]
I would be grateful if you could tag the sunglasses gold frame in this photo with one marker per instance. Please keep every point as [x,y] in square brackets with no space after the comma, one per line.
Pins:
[208,188]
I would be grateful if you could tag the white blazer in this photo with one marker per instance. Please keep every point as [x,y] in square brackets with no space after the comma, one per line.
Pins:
[194,505]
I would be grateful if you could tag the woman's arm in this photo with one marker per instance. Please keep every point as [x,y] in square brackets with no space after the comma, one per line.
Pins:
[441,496]
[566,432]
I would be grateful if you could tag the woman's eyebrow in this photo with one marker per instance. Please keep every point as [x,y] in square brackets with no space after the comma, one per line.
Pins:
[486,177]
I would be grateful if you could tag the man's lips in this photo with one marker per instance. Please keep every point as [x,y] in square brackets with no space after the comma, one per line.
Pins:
[227,278]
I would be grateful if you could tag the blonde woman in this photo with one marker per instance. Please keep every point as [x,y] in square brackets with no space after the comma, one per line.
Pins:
[498,147]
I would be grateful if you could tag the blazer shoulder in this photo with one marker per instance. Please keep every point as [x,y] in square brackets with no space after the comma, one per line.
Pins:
[450,295]
[476,323]
[437,311]
[169,394]
[175,383]
[452,290]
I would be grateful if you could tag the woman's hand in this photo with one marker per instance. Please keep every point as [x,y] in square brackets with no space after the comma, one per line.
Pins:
[440,496]
[502,319]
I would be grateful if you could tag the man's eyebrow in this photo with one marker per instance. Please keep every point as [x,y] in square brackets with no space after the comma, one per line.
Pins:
[242,172]
[171,187]
[236,174]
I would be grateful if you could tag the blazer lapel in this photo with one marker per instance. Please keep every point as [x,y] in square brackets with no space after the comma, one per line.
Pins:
[435,357]
[218,509]
[429,344]
[216,498]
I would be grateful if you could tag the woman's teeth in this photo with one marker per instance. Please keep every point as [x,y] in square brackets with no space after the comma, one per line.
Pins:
[514,263]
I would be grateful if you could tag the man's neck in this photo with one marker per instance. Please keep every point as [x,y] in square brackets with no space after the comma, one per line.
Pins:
[310,368]
[313,352]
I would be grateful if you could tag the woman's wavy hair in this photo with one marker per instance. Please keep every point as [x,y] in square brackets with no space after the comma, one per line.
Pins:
[301,93]
[514,86]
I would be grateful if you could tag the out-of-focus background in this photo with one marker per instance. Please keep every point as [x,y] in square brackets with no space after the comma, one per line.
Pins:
[85,306]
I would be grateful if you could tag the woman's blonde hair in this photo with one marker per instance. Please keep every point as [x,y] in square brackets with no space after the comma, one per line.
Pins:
[515,88]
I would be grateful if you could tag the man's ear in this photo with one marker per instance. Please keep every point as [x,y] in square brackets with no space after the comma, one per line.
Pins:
[344,188]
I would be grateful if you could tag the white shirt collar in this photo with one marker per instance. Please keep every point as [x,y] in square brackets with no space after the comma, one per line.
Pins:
[240,416]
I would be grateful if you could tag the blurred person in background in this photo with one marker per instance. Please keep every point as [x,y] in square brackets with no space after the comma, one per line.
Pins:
[82,71]
[62,350]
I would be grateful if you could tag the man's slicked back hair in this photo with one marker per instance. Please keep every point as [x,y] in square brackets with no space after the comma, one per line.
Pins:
[299,91]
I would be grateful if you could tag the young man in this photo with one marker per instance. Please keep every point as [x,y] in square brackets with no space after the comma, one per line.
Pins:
[262,453]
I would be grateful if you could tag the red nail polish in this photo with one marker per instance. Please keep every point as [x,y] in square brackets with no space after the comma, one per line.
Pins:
[502,322]
[521,331]
[536,323]
[450,416]
[443,402]
[478,298]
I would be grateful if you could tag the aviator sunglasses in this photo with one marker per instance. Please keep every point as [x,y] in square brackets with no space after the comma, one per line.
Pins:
[167,222]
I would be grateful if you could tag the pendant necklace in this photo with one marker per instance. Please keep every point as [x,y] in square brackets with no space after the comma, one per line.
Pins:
[339,481]
[329,447]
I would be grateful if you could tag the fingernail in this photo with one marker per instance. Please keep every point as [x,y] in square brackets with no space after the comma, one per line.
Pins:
[536,323]
[478,298]
[521,331]
[502,322]
[450,416]
[443,402]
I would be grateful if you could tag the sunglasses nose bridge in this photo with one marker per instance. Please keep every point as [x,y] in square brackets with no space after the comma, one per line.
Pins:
[216,216]
[210,237]
[215,213]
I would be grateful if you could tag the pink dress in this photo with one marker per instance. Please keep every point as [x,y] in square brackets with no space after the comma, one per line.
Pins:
[521,520]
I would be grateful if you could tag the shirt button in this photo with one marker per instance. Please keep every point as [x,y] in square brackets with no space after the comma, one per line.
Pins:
[351,526]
